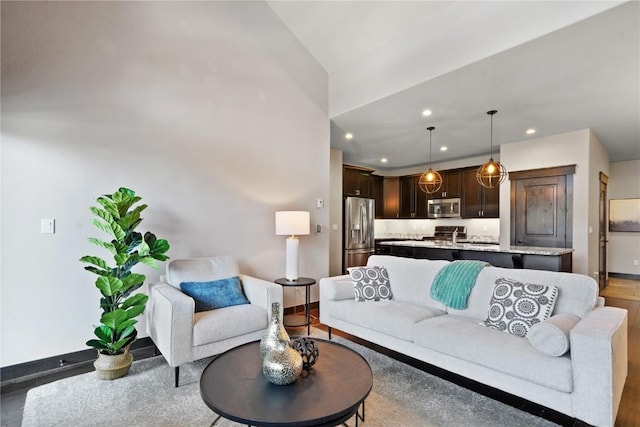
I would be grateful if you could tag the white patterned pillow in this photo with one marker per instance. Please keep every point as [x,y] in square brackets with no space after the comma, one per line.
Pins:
[516,306]
[370,283]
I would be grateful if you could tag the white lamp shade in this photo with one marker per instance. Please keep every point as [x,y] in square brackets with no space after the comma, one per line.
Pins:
[291,223]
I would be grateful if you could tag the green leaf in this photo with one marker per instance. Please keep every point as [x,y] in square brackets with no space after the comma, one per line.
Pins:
[109,206]
[101,213]
[120,248]
[118,232]
[125,327]
[135,311]
[97,271]
[98,345]
[104,333]
[144,249]
[114,318]
[149,261]
[106,245]
[95,261]
[104,227]
[109,285]
[121,258]
[132,280]
[160,246]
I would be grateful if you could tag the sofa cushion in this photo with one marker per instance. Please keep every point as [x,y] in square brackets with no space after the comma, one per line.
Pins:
[388,317]
[551,337]
[237,320]
[467,340]
[370,283]
[515,306]
[215,294]
[411,278]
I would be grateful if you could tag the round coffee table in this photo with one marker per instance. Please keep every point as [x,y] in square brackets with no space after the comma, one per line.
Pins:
[233,386]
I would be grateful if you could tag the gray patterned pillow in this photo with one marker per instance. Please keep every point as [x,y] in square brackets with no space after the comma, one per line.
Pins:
[371,283]
[516,306]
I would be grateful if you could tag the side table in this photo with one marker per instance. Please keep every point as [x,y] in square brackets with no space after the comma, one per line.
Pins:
[294,320]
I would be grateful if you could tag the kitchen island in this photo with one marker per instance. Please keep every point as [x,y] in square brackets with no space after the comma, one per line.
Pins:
[536,258]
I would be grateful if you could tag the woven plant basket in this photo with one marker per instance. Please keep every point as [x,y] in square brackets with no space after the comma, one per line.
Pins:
[110,367]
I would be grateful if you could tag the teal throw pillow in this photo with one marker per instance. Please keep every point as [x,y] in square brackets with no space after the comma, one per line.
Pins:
[215,294]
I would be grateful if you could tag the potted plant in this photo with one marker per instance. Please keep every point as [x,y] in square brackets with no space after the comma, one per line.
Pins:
[118,218]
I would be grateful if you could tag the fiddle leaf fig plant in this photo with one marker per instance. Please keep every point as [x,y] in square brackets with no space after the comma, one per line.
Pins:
[118,218]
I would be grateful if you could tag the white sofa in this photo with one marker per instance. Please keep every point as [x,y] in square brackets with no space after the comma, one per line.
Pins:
[586,383]
[182,335]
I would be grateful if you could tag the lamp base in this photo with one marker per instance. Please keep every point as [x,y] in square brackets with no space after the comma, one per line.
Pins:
[292,258]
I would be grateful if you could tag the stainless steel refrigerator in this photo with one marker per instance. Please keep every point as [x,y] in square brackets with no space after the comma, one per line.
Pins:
[359,241]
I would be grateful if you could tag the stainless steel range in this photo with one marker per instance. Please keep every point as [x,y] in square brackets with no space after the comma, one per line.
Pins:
[445,233]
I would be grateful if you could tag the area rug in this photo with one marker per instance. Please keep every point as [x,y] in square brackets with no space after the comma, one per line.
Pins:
[401,396]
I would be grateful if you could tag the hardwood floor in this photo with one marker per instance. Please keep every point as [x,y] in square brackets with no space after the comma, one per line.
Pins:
[619,293]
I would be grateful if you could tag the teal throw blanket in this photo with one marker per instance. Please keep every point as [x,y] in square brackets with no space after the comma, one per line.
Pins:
[454,282]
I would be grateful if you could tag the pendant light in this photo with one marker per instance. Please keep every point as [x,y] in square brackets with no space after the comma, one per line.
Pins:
[492,173]
[430,181]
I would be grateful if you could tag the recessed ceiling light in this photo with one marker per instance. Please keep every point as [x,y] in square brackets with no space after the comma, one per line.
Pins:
[348,136]
[383,160]
[530,131]
[426,112]
[443,148]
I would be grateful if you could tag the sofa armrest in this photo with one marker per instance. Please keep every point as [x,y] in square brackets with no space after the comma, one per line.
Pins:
[170,322]
[336,288]
[262,293]
[599,359]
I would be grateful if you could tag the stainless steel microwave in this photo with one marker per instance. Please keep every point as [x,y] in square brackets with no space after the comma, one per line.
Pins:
[443,208]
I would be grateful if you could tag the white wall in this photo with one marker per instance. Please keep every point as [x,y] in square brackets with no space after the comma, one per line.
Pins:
[335,215]
[598,162]
[557,150]
[211,111]
[623,248]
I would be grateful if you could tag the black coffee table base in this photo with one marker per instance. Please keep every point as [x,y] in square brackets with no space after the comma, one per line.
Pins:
[359,416]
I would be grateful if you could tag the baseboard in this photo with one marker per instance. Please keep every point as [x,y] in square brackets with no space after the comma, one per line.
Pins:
[624,276]
[37,372]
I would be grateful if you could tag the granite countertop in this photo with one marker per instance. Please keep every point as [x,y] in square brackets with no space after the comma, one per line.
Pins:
[531,250]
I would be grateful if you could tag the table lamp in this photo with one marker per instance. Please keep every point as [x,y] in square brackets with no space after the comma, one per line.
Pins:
[292,223]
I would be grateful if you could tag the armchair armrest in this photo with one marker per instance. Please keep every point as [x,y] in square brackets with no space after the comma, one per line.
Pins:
[336,288]
[599,359]
[262,293]
[170,322]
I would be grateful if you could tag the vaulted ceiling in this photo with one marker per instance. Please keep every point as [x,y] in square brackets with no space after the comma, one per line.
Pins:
[552,66]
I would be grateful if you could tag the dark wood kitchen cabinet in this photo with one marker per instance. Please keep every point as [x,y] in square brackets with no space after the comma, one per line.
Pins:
[451,185]
[391,194]
[413,201]
[356,181]
[377,193]
[478,201]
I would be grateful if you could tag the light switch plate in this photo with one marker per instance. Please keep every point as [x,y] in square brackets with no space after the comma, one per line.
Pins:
[47,225]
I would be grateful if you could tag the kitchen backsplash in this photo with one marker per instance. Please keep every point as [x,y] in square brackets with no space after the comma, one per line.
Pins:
[485,230]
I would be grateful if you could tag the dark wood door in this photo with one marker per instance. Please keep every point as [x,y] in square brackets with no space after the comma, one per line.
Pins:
[602,232]
[541,210]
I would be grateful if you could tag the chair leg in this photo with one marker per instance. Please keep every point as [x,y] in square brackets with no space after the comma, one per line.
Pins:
[176,375]
[329,332]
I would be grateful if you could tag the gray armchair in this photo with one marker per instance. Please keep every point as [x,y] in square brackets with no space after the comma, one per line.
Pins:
[182,335]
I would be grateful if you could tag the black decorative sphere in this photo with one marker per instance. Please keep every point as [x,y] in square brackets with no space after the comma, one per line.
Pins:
[308,349]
